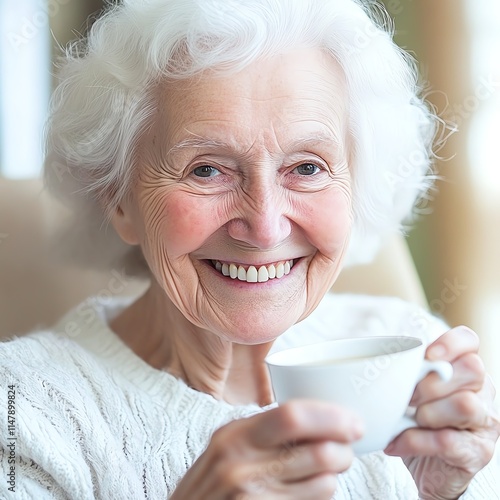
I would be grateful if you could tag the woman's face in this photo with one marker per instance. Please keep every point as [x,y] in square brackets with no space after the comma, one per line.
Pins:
[246,175]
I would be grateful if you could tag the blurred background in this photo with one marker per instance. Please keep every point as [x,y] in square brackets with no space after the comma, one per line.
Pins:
[456,240]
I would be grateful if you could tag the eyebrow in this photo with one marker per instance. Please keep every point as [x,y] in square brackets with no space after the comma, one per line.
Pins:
[197,142]
[209,143]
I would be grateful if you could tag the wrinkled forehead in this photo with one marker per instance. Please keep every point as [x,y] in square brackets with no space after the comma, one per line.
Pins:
[300,93]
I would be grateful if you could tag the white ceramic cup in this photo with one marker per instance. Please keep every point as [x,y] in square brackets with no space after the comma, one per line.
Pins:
[373,376]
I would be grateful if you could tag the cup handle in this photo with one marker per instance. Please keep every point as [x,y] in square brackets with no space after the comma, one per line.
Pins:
[445,372]
[442,368]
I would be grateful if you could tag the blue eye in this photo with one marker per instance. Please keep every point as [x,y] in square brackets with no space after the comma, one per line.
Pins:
[307,169]
[205,171]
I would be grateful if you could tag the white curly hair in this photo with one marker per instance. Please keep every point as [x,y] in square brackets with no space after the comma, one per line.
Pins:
[105,98]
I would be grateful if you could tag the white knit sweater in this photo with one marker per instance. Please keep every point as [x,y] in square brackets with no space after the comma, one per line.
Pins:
[92,420]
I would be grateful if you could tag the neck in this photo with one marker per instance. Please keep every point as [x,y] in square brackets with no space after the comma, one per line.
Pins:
[158,333]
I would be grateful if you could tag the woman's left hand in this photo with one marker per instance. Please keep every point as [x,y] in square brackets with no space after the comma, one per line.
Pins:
[458,422]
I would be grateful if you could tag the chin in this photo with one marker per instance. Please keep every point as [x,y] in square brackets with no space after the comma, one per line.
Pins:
[251,313]
[259,328]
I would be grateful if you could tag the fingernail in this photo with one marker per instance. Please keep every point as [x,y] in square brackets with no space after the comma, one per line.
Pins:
[468,330]
[358,427]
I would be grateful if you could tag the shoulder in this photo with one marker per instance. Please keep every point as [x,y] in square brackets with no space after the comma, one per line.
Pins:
[375,315]
[49,373]
[56,379]
[352,315]
[62,351]
[40,351]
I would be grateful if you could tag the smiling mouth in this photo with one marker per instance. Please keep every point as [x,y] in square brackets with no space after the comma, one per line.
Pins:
[253,274]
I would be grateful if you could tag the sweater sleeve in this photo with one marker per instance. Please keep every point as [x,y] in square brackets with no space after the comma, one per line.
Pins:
[22,476]
[56,441]
[24,479]
[36,460]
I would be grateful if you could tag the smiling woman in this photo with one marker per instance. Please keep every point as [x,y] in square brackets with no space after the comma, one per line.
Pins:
[238,154]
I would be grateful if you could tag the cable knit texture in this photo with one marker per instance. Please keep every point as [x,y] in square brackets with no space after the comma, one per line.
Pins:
[92,420]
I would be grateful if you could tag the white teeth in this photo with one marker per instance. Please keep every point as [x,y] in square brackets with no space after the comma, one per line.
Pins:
[242,274]
[252,274]
[263,275]
[233,271]
[271,271]
[287,267]
[280,270]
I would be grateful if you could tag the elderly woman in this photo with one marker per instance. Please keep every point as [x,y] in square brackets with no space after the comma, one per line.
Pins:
[242,151]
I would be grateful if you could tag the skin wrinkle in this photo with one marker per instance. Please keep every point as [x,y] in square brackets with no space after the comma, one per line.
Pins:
[318,109]
[201,143]
[257,209]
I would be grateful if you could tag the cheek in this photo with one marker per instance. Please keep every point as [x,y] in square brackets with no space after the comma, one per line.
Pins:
[181,222]
[328,220]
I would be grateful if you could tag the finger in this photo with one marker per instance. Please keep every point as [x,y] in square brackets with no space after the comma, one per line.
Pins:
[461,410]
[319,487]
[292,469]
[468,374]
[461,449]
[453,344]
[305,420]
[303,461]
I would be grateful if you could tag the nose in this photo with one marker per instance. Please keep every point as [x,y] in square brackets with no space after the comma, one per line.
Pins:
[262,222]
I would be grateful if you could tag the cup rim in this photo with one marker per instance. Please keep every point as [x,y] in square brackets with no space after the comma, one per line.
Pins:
[275,358]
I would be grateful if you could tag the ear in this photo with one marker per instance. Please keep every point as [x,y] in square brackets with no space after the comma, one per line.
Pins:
[125,225]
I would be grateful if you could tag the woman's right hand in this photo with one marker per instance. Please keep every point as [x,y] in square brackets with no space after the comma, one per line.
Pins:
[293,451]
